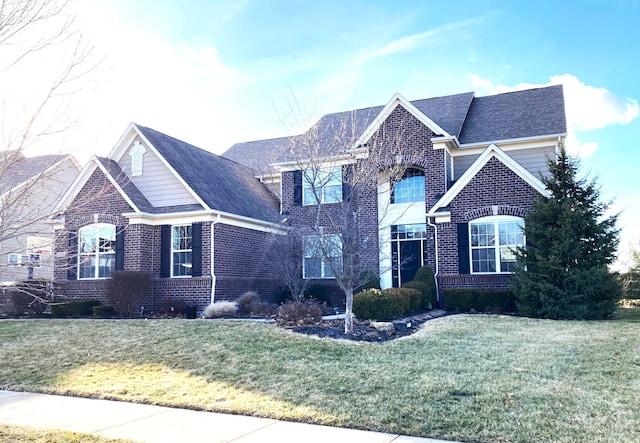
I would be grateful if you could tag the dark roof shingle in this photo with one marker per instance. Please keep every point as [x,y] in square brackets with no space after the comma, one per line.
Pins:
[222,184]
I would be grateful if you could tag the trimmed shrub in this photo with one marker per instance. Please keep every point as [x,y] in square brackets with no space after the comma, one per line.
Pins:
[299,313]
[374,304]
[482,300]
[125,290]
[73,308]
[317,292]
[103,311]
[425,275]
[427,295]
[221,309]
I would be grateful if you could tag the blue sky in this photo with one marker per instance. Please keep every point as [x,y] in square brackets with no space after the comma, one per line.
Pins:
[218,72]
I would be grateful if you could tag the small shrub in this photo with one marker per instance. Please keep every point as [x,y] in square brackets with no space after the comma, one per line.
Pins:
[299,313]
[73,308]
[221,309]
[249,303]
[425,275]
[482,300]
[125,290]
[17,303]
[103,311]
[174,306]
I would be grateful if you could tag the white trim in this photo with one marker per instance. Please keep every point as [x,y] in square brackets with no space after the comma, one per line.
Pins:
[173,251]
[495,220]
[97,253]
[396,100]
[227,218]
[348,158]
[115,185]
[514,140]
[490,152]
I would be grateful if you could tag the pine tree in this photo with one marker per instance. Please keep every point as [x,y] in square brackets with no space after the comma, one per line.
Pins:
[563,272]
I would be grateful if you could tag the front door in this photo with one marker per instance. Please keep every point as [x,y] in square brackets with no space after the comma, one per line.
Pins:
[409,249]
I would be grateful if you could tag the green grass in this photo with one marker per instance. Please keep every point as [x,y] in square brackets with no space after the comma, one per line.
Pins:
[30,435]
[467,377]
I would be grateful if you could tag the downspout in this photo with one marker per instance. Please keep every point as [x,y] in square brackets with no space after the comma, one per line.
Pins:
[435,243]
[212,262]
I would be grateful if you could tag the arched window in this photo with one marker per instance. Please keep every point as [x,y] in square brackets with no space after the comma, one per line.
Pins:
[96,251]
[493,242]
[410,188]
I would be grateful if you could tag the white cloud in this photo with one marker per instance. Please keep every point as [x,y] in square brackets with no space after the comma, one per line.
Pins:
[629,208]
[587,107]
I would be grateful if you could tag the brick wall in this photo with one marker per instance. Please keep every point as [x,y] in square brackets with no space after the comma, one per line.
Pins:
[239,254]
[495,190]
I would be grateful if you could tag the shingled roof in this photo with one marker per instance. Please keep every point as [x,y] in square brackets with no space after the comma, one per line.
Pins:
[222,184]
[520,114]
[512,115]
[16,169]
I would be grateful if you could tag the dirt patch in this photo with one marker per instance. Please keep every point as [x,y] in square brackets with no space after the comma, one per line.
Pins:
[363,331]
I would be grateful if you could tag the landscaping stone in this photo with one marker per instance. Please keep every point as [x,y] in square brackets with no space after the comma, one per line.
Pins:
[383,326]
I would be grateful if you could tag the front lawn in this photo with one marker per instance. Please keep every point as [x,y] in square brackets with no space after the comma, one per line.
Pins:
[465,377]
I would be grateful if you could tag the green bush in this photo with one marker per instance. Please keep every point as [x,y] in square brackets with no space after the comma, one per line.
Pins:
[482,300]
[374,304]
[73,308]
[425,275]
[427,294]
[125,290]
[103,311]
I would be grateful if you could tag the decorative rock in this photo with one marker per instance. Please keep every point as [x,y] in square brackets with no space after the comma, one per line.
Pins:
[383,326]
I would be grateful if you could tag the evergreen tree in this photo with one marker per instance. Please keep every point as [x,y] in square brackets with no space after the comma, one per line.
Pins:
[563,271]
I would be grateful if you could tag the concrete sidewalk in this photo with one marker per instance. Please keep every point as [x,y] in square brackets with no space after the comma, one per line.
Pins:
[147,423]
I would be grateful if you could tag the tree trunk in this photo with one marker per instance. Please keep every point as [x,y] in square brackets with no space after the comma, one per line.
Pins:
[348,314]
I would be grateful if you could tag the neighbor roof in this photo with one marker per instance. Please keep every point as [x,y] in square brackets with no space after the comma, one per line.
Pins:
[512,115]
[222,184]
[16,169]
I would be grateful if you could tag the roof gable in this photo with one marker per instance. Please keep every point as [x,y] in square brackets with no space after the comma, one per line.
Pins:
[16,170]
[220,183]
[398,100]
[492,151]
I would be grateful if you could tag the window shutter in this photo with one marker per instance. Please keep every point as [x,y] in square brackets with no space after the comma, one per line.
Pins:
[165,251]
[196,250]
[72,263]
[297,188]
[120,248]
[346,182]
[463,249]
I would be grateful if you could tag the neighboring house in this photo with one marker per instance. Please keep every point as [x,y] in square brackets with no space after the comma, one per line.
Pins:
[198,222]
[30,187]
[472,169]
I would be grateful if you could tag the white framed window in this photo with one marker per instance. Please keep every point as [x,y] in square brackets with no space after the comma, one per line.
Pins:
[493,243]
[322,254]
[14,259]
[96,251]
[181,250]
[322,186]
[410,188]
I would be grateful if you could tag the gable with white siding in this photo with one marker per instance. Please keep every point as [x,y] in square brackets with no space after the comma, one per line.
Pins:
[157,183]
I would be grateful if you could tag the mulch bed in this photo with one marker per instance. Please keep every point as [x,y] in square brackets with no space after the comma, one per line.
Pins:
[363,331]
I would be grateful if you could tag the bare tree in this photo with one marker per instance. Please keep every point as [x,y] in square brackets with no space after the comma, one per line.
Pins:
[340,189]
[34,101]
[285,255]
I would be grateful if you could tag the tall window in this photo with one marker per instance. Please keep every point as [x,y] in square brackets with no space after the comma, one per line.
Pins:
[96,251]
[321,255]
[322,185]
[181,250]
[410,188]
[493,242]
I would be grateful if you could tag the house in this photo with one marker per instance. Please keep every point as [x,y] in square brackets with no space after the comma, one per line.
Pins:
[30,187]
[449,182]
[198,222]
[469,168]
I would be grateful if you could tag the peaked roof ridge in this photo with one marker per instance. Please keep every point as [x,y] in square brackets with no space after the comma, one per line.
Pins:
[516,91]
